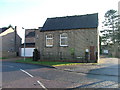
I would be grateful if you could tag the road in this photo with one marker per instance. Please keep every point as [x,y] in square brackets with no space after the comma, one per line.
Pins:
[18,75]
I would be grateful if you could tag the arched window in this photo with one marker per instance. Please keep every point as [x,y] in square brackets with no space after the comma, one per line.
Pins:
[64,39]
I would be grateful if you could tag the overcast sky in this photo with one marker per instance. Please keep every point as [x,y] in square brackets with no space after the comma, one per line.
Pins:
[33,13]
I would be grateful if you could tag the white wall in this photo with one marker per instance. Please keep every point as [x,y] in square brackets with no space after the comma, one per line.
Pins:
[119,7]
[28,52]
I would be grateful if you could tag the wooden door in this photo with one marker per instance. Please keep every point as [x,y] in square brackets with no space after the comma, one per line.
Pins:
[92,51]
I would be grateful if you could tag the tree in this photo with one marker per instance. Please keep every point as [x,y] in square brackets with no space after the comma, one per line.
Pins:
[110,32]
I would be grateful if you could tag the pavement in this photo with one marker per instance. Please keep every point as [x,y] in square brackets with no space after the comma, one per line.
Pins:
[106,67]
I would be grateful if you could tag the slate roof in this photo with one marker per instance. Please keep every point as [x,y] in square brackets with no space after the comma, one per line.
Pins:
[3,29]
[31,34]
[71,22]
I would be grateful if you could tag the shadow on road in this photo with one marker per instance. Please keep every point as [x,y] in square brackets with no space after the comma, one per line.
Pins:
[92,85]
[12,66]
[107,77]
[110,71]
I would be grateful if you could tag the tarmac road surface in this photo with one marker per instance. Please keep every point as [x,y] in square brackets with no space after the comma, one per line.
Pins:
[18,75]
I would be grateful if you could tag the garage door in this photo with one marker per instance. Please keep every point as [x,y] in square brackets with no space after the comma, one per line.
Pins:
[28,52]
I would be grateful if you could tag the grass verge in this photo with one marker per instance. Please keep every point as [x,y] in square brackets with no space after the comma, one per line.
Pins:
[3,58]
[48,63]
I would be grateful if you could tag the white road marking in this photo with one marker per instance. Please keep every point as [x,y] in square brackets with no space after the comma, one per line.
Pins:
[26,72]
[42,85]
[33,76]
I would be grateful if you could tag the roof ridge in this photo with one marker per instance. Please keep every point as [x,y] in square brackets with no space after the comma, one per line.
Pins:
[69,22]
[73,16]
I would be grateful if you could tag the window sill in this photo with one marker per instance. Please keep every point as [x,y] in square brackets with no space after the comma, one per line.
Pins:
[48,46]
[63,45]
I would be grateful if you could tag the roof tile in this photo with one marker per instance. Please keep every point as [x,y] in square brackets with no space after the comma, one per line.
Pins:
[71,22]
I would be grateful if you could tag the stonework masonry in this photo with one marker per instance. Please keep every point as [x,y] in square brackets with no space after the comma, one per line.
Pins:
[78,39]
[8,48]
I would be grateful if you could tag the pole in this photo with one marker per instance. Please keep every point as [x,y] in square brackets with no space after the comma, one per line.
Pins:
[15,40]
[24,45]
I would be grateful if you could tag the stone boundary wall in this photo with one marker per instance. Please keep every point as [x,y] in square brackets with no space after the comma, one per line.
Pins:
[8,54]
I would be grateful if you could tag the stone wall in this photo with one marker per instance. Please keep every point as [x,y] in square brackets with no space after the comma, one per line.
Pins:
[8,45]
[29,38]
[8,54]
[79,40]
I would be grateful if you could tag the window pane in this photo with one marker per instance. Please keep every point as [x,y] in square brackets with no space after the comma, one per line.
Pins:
[64,35]
[64,39]
[49,36]
[49,40]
